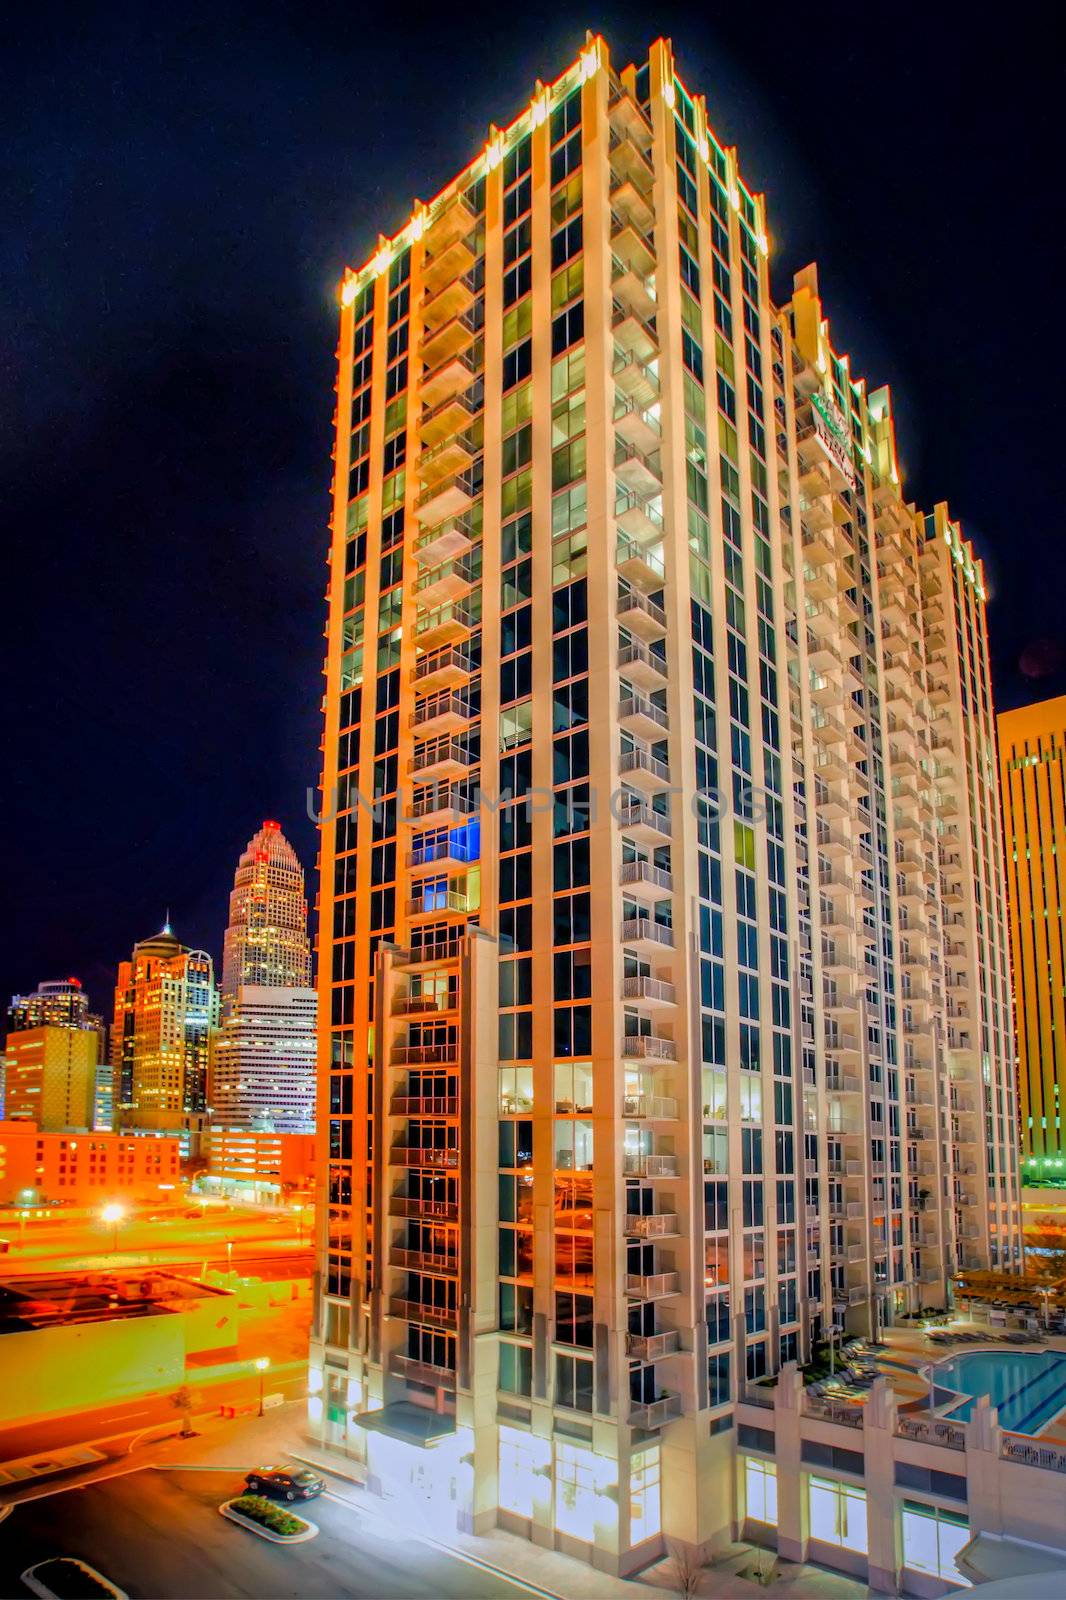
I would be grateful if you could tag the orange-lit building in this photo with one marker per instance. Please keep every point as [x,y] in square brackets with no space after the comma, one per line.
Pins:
[38,1167]
[51,1076]
[166,1015]
[264,1162]
[1032,757]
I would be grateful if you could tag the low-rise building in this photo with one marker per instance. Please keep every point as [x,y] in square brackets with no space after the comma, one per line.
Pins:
[41,1167]
[263,1164]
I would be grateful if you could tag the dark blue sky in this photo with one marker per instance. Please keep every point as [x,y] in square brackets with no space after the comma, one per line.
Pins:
[182,191]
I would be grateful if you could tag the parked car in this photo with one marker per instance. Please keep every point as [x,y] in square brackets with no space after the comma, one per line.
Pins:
[285,1483]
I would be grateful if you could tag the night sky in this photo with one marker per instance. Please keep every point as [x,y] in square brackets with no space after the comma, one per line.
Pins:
[184,189]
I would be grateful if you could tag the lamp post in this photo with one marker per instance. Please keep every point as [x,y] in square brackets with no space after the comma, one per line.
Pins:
[261,1365]
[229,1255]
[113,1215]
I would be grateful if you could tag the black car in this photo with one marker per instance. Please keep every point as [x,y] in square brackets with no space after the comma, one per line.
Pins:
[285,1483]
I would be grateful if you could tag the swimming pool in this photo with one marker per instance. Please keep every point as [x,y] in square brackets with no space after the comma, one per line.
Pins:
[1028,1387]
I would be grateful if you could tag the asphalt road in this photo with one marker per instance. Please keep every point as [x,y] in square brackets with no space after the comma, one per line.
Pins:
[158,1535]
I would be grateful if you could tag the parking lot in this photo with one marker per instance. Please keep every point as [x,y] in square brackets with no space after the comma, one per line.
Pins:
[158,1535]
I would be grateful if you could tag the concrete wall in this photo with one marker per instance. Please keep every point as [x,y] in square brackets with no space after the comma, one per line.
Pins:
[52,1370]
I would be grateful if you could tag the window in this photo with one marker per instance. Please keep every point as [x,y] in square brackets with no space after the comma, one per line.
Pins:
[575,1490]
[573,1383]
[838,1513]
[519,1454]
[760,1490]
[932,1539]
[645,1500]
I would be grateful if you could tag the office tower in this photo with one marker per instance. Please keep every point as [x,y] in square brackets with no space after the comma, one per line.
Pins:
[1031,747]
[637,1070]
[263,1064]
[262,1072]
[266,942]
[61,1003]
[166,1014]
[51,1076]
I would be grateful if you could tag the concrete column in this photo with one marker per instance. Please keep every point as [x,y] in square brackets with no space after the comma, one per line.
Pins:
[792,1519]
[878,1433]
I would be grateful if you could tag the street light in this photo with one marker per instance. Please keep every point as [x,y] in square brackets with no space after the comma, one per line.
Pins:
[229,1255]
[261,1365]
[113,1215]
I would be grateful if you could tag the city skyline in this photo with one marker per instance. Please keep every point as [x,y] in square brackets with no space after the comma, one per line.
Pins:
[266,461]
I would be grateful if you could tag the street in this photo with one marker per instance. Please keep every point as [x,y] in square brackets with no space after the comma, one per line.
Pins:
[157,1534]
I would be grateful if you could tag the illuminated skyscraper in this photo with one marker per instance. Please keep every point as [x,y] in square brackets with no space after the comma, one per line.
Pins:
[266,942]
[61,1002]
[51,1076]
[166,1014]
[262,1072]
[1032,752]
[654,1041]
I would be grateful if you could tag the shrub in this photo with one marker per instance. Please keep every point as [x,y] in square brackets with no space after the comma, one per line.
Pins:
[257,1508]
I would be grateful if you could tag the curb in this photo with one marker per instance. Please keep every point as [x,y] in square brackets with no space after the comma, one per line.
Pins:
[310,1530]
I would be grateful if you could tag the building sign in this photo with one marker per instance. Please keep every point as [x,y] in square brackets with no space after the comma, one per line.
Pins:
[832,431]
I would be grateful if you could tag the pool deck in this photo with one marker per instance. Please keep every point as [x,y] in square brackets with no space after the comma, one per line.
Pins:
[908,1351]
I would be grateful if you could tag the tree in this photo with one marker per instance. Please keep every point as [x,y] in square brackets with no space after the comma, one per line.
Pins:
[183,1401]
[688,1569]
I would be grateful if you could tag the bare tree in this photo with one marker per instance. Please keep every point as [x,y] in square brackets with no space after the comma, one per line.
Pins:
[688,1568]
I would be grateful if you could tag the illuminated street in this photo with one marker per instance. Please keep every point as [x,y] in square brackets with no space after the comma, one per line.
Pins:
[159,1533]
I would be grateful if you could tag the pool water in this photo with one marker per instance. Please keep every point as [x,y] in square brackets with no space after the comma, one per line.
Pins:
[1028,1387]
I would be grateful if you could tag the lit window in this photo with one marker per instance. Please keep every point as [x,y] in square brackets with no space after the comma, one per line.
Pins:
[932,1539]
[518,1461]
[760,1489]
[575,1491]
[645,1496]
[838,1513]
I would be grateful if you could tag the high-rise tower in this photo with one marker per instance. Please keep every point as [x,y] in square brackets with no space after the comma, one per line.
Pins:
[653,1042]
[262,1072]
[266,941]
[1032,747]
[166,1013]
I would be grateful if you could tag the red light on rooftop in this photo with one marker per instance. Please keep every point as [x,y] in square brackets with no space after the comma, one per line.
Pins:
[275,827]
[74,982]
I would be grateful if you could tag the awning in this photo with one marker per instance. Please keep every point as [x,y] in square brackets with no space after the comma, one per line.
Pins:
[994,1561]
[401,1420]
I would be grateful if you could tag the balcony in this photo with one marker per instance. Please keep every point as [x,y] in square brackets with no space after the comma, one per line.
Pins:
[631,199]
[650,1225]
[642,618]
[442,669]
[453,377]
[636,1165]
[644,771]
[649,1108]
[636,381]
[444,712]
[633,333]
[444,1054]
[632,289]
[451,581]
[642,717]
[656,1286]
[456,297]
[445,458]
[640,475]
[654,1413]
[642,822]
[448,542]
[640,518]
[652,1346]
[434,952]
[420,1105]
[417,1155]
[642,880]
[647,1046]
[441,758]
[451,624]
[406,1205]
[436,903]
[417,1311]
[638,566]
[450,339]
[450,853]
[452,415]
[453,219]
[632,245]
[422,1260]
[641,666]
[424,1372]
[637,426]
[448,498]
[441,805]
